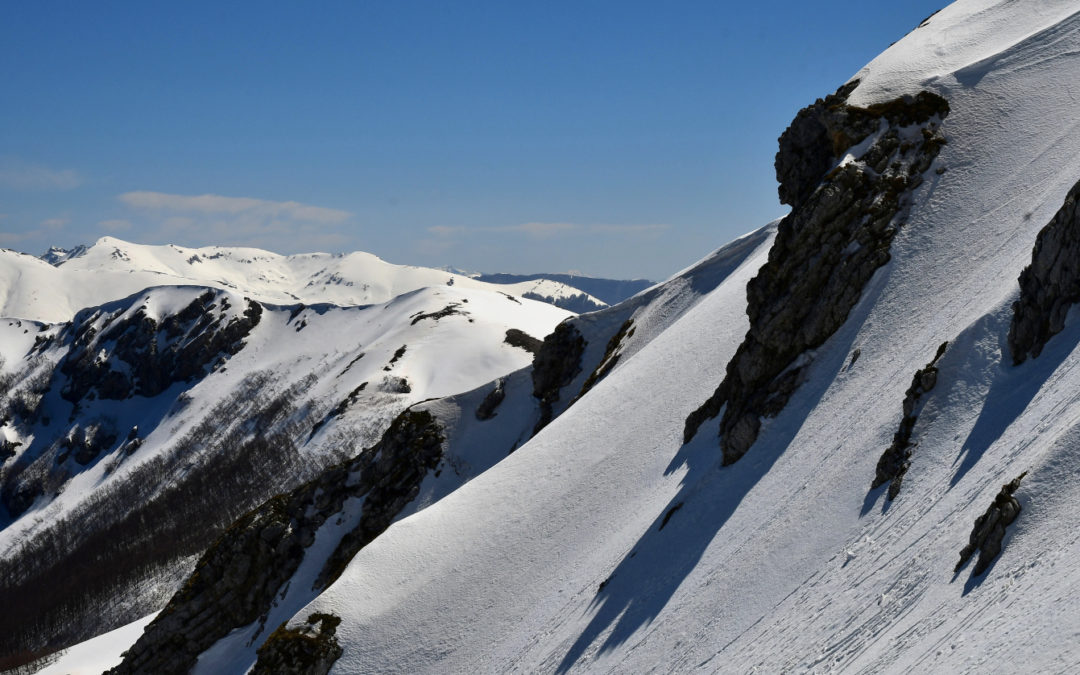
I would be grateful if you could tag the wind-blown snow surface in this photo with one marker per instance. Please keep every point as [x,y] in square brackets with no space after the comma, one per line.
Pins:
[31,288]
[605,544]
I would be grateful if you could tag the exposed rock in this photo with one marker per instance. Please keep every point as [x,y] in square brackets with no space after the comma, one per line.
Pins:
[310,649]
[838,234]
[896,459]
[86,443]
[238,577]
[989,530]
[1050,285]
[134,356]
[522,340]
[454,308]
[486,409]
[555,366]
[394,359]
[610,358]
[7,449]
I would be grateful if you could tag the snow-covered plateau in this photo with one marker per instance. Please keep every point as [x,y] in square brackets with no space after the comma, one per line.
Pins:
[848,441]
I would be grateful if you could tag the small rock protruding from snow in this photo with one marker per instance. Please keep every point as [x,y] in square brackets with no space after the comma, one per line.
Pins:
[989,530]
[896,459]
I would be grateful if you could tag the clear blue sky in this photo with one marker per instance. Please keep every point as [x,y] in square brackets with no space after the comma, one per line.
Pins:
[623,139]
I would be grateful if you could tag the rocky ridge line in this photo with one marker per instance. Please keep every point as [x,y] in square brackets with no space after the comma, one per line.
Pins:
[846,211]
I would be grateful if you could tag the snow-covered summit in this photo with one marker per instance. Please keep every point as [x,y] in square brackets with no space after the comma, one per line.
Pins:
[112,268]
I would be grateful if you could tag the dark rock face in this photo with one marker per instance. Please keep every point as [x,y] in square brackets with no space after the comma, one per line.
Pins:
[838,234]
[7,450]
[556,365]
[1050,285]
[454,308]
[310,649]
[522,340]
[144,358]
[896,459]
[610,358]
[85,443]
[237,579]
[989,530]
[491,402]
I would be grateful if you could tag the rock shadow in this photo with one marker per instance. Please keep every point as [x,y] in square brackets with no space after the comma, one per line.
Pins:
[649,575]
[1012,388]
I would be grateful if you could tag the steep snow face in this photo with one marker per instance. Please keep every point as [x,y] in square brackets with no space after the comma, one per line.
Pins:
[476,430]
[186,404]
[112,269]
[605,544]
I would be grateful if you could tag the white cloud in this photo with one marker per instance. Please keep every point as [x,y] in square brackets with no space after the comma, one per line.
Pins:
[629,229]
[539,230]
[16,174]
[234,221]
[54,223]
[234,206]
[548,230]
[44,230]
[115,225]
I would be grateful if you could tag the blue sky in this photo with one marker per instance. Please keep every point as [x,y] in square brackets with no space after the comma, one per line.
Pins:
[623,139]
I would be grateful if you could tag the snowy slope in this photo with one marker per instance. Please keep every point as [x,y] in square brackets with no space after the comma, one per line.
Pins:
[605,543]
[622,550]
[473,441]
[111,269]
[306,386]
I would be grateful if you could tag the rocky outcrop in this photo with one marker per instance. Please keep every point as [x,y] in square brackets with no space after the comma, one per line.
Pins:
[848,173]
[611,357]
[989,530]
[452,309]
[522,340]
[491,402]
[134,355]
[896,459]
[555,366]
[1050,285]
[238,577]
[310,649]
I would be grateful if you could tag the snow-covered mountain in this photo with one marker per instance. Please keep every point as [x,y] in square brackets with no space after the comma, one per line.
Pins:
[845,442]
[31,288]
[181,405]
[56,255]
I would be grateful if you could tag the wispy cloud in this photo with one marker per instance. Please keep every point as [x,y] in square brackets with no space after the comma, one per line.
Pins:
[42,231]
[234,206]
[16,174]
[54,223]
[548,230]
[115,225]
[231,221]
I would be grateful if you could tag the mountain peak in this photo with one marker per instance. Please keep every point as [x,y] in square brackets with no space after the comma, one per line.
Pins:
[57,255]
